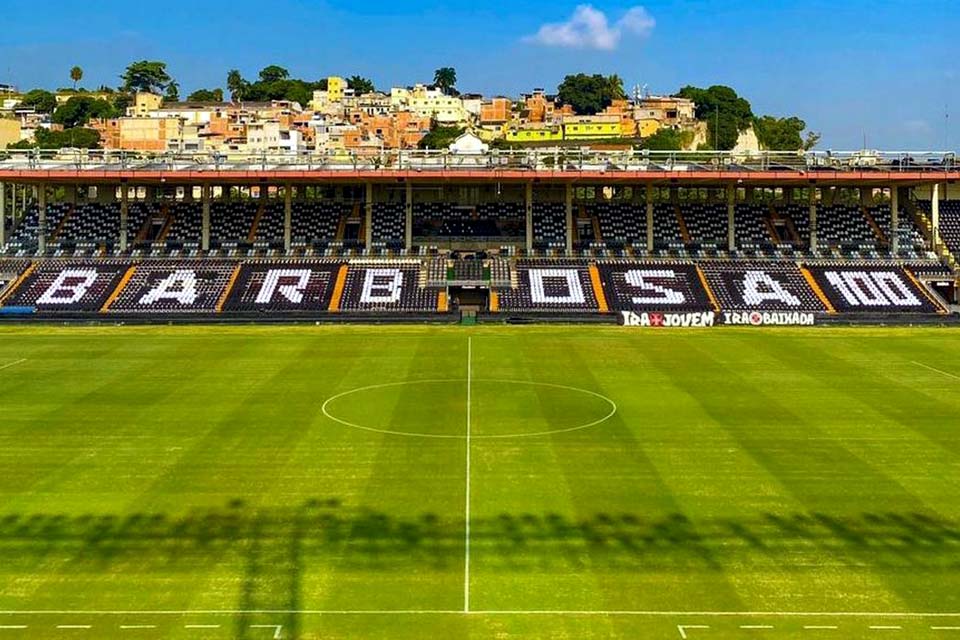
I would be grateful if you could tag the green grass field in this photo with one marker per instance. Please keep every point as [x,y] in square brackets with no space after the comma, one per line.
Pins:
[315,482]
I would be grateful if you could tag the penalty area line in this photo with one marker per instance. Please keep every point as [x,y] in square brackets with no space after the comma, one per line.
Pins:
[12,364]
[940,371]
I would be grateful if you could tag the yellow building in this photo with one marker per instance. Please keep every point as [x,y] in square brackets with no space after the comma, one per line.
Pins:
[592,127]
[647,127]
[143,104]
[535,133]
[9,132]
[336,86]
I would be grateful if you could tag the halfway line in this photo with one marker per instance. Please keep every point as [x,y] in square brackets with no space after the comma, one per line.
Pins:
[944,373]
[466,545]
[11,364]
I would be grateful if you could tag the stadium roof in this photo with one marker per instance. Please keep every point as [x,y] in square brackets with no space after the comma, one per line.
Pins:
[544,165]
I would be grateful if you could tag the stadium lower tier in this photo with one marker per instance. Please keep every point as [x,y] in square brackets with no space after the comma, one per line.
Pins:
[385,287]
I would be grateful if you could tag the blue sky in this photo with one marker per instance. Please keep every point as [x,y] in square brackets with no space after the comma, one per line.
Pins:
[886,69]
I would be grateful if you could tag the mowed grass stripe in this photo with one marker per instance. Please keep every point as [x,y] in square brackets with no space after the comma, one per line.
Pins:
[839,491]
[811,474]
[429,470]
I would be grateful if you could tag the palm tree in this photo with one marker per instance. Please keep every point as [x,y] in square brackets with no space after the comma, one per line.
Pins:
[445,78]
[235,84]
[76,74]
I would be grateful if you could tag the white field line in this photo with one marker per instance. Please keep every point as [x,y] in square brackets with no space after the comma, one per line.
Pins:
[12,364]
[201,626]
[499,612]
[138,626]
[13,626]
[756,626]
[886,627]
[466,541]
[945,628]
[74,626]
[940,371]
[682,628]
[815,627]
[277,629]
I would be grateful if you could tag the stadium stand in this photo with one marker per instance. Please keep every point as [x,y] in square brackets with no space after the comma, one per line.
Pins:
[272,287]
[68,286]
[706,223]
[550,286]
[386,287]
[871,288]
[388,223]
[761,286]
[653,286]
[23,240]
[845,227]
[621,224]
[230,220]
[314,222]
[175,286]
[549,225]
[666,229]
[949,222]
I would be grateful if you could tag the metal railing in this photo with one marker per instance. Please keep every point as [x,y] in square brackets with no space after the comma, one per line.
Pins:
[540,159]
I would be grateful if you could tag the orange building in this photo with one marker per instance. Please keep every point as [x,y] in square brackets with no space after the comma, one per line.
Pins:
[496,111]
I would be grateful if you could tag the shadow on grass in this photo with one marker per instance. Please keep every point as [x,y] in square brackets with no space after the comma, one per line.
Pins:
[272,548]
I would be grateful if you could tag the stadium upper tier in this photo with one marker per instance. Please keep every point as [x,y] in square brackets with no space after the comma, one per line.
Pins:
[101,165]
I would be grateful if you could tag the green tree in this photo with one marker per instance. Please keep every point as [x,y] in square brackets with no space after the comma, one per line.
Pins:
[150,76]
[47,139]
[41,101]
[173,92]
[780,134]
[206,95]
[445,78]
[590,94]
[725,113]
[236,85]
[76,74]
[666,140]
[120,103]
[273,73]
[78,110]
[360,85]
[439,136]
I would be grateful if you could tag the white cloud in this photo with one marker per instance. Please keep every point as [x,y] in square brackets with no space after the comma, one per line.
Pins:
[589,28]
[917,126]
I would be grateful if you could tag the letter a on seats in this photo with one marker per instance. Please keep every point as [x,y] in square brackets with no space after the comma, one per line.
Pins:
[181,285]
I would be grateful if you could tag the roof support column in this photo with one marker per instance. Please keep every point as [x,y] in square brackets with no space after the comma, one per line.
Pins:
[894,220]
[528,212]
[205,218]
[650,218]
[42,222]
[408,216]
[3,214]
[569,219]
[287,217]
[368,218]
[124,215]
[731,209]
[812,201]
[935,217]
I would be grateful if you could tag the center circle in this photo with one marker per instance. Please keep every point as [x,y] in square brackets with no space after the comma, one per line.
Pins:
[497,408]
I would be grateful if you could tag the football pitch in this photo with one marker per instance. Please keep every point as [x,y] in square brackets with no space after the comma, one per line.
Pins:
[487,482]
